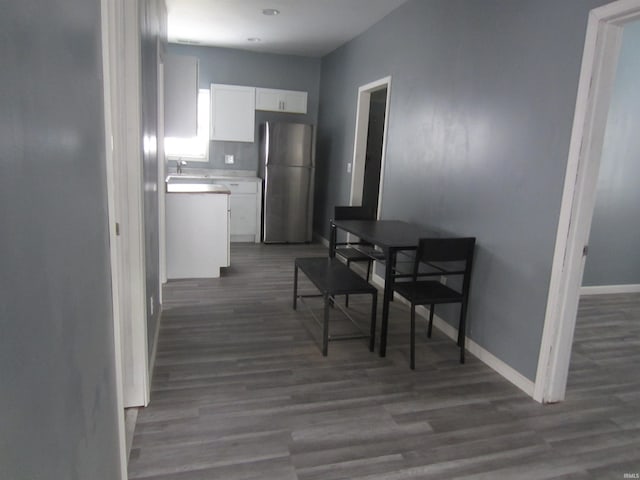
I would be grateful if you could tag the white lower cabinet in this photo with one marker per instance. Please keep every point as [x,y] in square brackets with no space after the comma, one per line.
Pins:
[246,208]
[197,238]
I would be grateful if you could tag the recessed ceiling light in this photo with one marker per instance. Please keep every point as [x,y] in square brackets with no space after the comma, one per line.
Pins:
[270,11]
[254,39]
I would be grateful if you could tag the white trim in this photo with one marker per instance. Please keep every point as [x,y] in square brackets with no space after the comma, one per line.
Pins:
[596,80]
[360,140]
[162,162]
[136,357]
[109,32]
[609,289]
[154,347]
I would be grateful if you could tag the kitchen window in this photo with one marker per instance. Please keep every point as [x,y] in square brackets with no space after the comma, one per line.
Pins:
[196,148]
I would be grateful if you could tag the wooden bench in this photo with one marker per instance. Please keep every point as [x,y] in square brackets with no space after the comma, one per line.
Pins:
[331,278]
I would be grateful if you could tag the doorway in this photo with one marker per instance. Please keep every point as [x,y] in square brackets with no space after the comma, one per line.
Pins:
[599,64]
[370,144]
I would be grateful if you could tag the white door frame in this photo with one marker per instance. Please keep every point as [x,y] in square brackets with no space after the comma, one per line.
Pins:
[360,140]
[597,75]
[121,61]
[109,28]
[136,356]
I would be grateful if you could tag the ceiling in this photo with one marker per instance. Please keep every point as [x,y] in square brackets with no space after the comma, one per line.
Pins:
[303,27]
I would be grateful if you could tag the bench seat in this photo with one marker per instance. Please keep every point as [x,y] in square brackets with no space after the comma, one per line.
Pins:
[331,277]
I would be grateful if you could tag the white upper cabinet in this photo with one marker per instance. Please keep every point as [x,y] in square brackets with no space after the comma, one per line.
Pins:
[286,101]
[232,113]
[181,96]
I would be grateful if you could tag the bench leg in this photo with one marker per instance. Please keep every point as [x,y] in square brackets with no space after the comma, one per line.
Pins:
[325,326]
[372,333]
[430,328]
[412,357]
[346,297]
[462,327]
[295,287]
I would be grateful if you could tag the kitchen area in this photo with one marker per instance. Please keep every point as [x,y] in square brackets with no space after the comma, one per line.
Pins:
[240,154]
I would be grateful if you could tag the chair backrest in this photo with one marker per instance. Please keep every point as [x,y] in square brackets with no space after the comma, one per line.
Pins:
[433,250]
[353,213]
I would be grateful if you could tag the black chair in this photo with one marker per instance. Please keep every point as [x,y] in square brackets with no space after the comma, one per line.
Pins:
[356,251]
[442,257]
[349,250]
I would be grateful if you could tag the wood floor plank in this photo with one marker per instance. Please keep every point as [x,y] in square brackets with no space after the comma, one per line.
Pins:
[241,391]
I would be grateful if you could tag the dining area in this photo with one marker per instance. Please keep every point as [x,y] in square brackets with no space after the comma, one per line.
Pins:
[241,390]
[420,266]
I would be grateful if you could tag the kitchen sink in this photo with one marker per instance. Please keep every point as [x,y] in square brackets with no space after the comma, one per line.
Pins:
[180,177]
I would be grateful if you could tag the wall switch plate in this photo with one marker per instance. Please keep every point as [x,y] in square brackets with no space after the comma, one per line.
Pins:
[228,159]
[349,167]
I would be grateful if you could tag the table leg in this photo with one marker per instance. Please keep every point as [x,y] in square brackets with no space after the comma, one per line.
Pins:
[332,240]
[389,258]
[325,326]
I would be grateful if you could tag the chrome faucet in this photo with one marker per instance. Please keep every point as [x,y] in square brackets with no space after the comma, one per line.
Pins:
[180,164]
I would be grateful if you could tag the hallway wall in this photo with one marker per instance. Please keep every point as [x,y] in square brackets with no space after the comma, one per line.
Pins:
[58,417]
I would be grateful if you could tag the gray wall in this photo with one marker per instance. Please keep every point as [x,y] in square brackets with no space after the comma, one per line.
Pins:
[482,101]
[615,231]
[58,417]
[153,42]
[239,67]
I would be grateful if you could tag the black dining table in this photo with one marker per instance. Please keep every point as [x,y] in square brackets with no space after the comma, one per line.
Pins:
[391,236]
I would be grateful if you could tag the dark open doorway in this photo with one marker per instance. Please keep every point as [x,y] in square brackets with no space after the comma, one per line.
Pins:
[373,156]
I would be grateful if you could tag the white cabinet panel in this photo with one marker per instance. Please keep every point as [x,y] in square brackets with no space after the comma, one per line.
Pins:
[180,96]
[197,234]
[268,99]
[286,101]
[232,113]
[295,102]
[243,214]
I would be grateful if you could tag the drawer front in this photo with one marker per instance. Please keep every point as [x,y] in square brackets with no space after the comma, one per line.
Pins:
[239,186]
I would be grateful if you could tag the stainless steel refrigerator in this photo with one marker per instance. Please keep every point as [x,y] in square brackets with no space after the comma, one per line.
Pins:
[287,169]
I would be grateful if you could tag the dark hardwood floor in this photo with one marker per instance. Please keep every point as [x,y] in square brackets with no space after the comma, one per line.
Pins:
[241,392]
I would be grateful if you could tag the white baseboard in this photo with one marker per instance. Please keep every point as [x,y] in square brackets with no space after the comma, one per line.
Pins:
[131,417]
[609,289]
[154,350]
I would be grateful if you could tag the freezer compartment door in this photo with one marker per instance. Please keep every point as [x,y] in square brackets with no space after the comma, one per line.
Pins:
[287,204]
[287,144]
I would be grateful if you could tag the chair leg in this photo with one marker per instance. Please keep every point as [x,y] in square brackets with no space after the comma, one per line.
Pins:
[430,328]
[295,287]
[462,330]
[325,327]
[372,333]
[412,360]
[346,297]
[369,269]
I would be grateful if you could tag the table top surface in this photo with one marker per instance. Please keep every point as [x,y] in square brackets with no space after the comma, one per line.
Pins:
[387,233]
